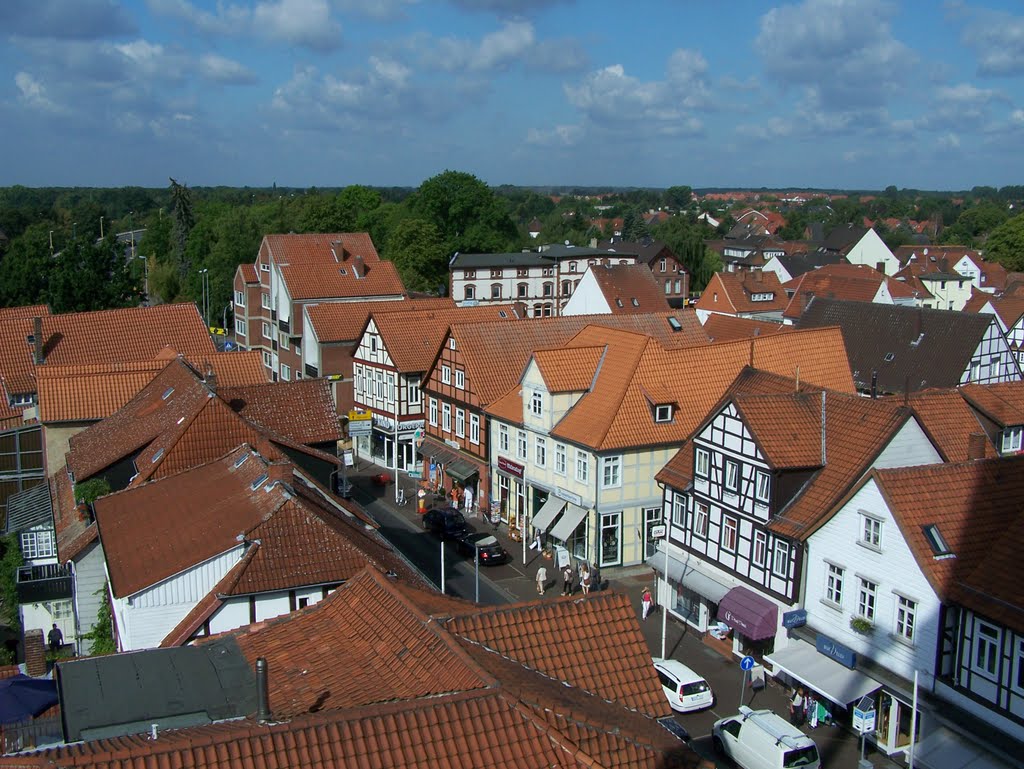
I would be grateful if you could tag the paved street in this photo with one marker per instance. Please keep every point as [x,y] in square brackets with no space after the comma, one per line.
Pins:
[514,581]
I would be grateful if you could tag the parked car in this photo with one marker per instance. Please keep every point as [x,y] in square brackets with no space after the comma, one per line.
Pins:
[445,522]
[761,739]
[686,691]
[491,551]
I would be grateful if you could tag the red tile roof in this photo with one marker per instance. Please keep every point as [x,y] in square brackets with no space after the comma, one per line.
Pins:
[302,411]
[249,273]
[950,422]
[1010,309]
[344,321]
[107,336]
[731,292]
[728,328]
[312,264]
[853,282]
[629,288]
[1003,403]
[570,369]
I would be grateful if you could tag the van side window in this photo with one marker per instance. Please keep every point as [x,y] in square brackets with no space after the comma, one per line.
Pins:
[668,683]
[733,727]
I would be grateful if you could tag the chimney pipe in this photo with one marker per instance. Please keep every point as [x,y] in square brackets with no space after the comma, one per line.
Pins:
[976,443]
[874,383]
[210,378]
[262,691]
[37,335]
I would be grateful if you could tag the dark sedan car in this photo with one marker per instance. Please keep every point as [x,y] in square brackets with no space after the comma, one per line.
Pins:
[445,522]
[491,551]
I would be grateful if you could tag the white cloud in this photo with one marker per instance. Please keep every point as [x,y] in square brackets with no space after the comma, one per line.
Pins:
[33,93]
[496,50]
[506,6]
[1017,117]
[949,141]
[58,19]
[305,23]
[222,70]
[997,39]
[558,136]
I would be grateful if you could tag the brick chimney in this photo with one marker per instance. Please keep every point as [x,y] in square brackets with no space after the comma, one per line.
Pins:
[37,335]
[359,266]
[210,378]
[976,443]
[35,653]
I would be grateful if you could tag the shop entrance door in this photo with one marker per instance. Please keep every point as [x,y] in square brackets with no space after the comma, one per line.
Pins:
[652,518]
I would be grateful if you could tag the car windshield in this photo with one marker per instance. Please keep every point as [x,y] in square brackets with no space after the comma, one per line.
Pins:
[800,757]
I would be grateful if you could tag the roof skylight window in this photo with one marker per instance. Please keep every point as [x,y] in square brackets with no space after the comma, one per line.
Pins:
[167,393]
[259,482]
[936,540]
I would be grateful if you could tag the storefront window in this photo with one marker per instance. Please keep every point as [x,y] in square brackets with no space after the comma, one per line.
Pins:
[687,605]
[611,541]
[652,518]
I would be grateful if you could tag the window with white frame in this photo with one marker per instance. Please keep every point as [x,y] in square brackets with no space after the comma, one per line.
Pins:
[470,291]
[906,614]
[37,544]
[729,526]
[760,552]
[611,472]
[446,374]
[870,532]
[520,444]
[460,423]
[834,584]
[663,413]
[582,466]
[267,360]
[678,510]
[560,458]
[432,412]
[239,299]
[474,428]
[700,519]
[702,461]
[986,647]
[283,340]
[495,291]
[446,417]
[732,476]
[412,388]
[522,290]
[265,301]
[663,264]
[460,379]
[540,446]
[503,438]
[866,599]
[762,487]
[240,329]
[266,331]
[373,343]
[780,560]
[264,267]
[536,403]
[286,373]
[1012,439]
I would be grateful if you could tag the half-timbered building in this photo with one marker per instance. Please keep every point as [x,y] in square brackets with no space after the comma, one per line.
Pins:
[744,489]
[916,571]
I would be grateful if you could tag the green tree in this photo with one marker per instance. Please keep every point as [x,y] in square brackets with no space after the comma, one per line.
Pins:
[467,214]
[93,276]
[418,252]
[679,197]
[101,636]
[184,221]
[1006,244]
[9,564]
[26,267]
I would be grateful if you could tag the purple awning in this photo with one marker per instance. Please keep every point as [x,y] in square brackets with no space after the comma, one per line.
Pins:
[752,615]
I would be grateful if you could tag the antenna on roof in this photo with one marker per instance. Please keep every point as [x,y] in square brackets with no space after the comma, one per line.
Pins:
[798,379]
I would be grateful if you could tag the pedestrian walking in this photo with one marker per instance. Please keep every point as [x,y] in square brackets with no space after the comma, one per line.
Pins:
[536,541]
[567,580]
[585,579]
[55,638]
[646,602]
[542,578]
[796,707]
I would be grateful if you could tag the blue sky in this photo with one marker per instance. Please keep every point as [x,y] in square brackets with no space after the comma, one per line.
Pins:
[817,93]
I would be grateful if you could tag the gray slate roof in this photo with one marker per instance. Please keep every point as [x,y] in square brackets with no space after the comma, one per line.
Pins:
[843,236]
[872,332]
[797,264]
[29,508]
[124,694]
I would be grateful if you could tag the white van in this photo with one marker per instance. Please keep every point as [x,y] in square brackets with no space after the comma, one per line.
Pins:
[761,739]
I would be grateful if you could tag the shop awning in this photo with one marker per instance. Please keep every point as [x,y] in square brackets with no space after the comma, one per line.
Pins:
[461,470]
[570,520]
[689,576]
[754,616]
[826,676]
[438,453]
[945,749]
[543,517]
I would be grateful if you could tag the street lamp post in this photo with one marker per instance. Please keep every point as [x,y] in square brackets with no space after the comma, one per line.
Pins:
[204,275]
[663,600]
[51,242]
[145,274]
[101,228]
[476,553]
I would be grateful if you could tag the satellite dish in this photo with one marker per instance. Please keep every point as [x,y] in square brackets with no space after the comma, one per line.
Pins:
[566,242]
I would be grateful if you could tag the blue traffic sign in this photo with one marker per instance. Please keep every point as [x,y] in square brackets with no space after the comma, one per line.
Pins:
[747,663]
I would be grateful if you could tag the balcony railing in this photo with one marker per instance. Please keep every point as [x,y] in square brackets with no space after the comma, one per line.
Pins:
[27,735]
[46,582]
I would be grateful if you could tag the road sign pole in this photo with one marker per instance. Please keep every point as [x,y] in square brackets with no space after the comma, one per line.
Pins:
[743,687]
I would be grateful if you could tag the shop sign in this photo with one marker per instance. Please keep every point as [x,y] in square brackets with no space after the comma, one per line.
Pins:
[414,474]
[384,422]
[795,618]
[360,427]
[844,655]
[360,416]
[510,467]
[568,496]
[454,444]
[864,716]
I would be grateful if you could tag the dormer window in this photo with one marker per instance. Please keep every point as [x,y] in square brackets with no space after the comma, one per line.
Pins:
[663,413]
[1012,439]
[764,296]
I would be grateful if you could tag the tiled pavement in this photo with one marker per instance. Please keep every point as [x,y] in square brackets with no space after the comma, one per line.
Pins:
[839,748]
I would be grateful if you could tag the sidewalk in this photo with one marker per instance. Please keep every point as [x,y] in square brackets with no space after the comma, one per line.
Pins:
[838,747]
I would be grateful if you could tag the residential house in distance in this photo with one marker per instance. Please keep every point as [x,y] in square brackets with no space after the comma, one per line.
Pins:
[757,223]
[395,349]
[860,245]
[484,360]
[851,282]
[666,267]
[983,275]
[912,583]
[949,289]
[542,279]
[230,543]
[300,270]
[419,669]
[750,252]
[760,470]
[896,349]
[616,289]
[1009,311]
[1000,410]
[792,265]
[589,424]
[747,294]
[330,334]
